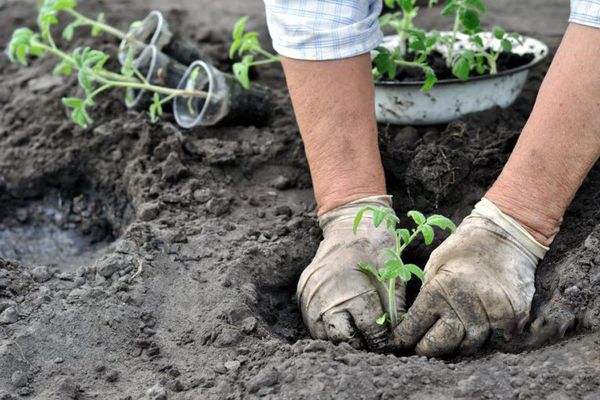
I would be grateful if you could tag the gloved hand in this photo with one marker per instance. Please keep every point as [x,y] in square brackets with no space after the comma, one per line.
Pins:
[339,301]
[479,281]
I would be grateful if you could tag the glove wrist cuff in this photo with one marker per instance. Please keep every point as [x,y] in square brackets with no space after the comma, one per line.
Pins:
[350,210]
[489,210]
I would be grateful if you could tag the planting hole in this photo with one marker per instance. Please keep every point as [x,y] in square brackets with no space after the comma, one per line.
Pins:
[278,309]
[63,232]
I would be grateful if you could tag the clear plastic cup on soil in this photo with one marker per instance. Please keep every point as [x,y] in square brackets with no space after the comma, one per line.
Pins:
[157,69]
[154,31]
[226,102]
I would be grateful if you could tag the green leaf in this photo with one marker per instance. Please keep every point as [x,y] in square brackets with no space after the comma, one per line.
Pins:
[416,271]
[427,232]
[378,217]
[430,79]
[235,45]
[95,29]
[462,67]
[404,274]
[155,108]
[69,30]
[441,222]
[371,269]
[404,235]
[393,268]
[20,45]
[58,5]
[498,32]
[63,68]
[358,218]
[84,81]
[73,102]
[250,43]
[506,45]
[128,69]
[384,62]
[469,19]
[450,8]
[241,70]
[478,41]
[79,113]
[407,5]
[476,4]
[239,27]
[390,252]
[389,3]
[417,216]
[382,319]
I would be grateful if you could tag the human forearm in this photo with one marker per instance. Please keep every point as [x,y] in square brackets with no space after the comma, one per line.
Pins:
[560,142]
[334,106]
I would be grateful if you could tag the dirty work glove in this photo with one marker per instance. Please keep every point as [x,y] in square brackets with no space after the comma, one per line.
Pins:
[478,282]
[339,301]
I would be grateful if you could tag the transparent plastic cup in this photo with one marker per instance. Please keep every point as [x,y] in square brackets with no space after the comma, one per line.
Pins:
[154,31]
[157,69]
[226,101]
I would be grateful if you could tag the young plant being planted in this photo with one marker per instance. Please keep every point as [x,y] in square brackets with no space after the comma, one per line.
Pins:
[247,46]
[395,267]
[89,64]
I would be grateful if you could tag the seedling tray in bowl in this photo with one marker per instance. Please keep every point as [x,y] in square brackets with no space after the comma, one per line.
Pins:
[404,103]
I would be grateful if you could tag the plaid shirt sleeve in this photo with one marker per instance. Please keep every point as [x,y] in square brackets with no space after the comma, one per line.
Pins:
[585,12]
[324,29]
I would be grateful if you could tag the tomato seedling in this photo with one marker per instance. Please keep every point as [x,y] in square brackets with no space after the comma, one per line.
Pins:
[414,45]
[394,266]
[89,63]
[247,45]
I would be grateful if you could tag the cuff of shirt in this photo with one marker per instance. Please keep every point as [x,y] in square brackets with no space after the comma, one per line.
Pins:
[330,46]
[324,30]
[585,12]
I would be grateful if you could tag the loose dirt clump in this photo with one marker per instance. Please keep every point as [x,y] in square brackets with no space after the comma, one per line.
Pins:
[188,246]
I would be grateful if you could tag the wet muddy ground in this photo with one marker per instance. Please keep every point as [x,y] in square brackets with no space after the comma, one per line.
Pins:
[142,261]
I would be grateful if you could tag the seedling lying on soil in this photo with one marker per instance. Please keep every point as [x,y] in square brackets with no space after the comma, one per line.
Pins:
[247,45]
[395,267]
[89,63]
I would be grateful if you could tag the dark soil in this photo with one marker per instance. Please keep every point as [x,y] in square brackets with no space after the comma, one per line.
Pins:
[506,61]
[142,261]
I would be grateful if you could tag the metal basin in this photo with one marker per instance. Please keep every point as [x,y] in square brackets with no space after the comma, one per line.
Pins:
[403,103]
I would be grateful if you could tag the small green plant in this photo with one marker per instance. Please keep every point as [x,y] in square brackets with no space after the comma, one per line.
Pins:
[247,46]
[89,64]
[414,45]
[395,267]
[466,14]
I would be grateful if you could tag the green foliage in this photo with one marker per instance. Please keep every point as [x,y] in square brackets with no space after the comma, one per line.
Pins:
[47,16]
[247,46]
[241,70]
[394,267]
[23,43]
[96,28]
[79,113]
[155,108]
[89,63]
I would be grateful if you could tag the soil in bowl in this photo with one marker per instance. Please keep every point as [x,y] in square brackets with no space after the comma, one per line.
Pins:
[437,61]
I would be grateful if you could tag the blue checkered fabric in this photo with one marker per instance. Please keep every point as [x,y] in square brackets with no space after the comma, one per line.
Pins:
[585,12]
[334,29]
[324,29]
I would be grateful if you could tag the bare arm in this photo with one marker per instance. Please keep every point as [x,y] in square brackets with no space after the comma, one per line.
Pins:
[334,106]
[560,142]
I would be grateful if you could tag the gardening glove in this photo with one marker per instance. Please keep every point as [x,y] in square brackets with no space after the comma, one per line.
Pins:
[478,282]
[339,301]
